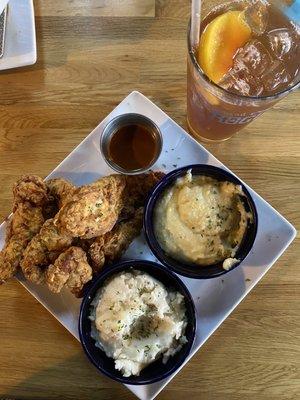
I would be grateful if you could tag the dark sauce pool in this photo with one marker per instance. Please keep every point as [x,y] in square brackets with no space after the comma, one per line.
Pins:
[133,147]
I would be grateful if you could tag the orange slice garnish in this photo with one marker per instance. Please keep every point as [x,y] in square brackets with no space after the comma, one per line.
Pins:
[219,42]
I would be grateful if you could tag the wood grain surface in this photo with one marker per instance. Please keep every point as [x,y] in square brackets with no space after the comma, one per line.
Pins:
[87,63]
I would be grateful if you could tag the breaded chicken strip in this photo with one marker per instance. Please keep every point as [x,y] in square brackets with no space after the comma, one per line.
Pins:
[43,249]
[137,190]
[94,209]
[30,188]
[30,196]
[61,190]
[26,222]
[71,270]
[139,186]
[113,244]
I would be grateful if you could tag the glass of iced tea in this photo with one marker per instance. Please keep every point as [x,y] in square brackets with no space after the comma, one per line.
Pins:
[248,58]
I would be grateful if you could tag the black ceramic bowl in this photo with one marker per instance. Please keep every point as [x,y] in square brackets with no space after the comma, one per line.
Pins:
[190,270]
[157,370]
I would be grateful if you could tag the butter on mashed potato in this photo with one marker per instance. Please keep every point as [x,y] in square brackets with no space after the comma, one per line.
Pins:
[136,320]
[201,220]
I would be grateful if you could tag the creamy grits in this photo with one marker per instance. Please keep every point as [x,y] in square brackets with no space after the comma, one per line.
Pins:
[201,220]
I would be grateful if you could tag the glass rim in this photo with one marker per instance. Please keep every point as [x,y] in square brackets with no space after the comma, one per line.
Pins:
[226,92]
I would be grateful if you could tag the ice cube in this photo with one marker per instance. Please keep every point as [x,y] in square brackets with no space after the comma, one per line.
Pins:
[234,83]
[254,57]
[282,41]
[256,16]
[276,77]
[249,64]
[241,81]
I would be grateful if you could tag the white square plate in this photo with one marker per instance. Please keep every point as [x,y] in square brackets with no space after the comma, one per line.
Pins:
[20,41]
[215,298]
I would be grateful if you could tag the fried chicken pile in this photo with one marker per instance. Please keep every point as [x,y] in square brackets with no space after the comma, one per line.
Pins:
[61,235]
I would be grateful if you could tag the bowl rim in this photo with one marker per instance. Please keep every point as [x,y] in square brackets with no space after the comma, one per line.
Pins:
[99,281]
[178,266]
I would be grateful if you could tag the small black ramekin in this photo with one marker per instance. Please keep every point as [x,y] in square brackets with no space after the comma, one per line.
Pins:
[157,370]
[193,270]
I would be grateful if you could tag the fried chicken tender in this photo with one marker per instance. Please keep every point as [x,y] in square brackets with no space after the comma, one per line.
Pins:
[30,196]
[137,190]
[30,188]
[43,249]
[71,269]
[113,244]
[94,209]
[61,190]
[26,222]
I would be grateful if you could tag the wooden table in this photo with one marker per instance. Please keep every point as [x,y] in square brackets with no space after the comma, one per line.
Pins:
[88,61]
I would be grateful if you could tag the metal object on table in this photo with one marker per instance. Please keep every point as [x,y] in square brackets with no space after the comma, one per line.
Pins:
[2,30]
[122,121]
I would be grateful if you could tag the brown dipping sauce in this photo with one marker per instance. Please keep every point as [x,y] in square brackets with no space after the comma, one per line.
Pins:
[133,147]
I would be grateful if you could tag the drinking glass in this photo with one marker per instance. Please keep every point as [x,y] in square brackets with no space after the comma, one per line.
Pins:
[214,113]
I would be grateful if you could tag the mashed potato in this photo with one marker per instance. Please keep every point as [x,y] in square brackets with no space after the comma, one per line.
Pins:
[136,320]
[201,220]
